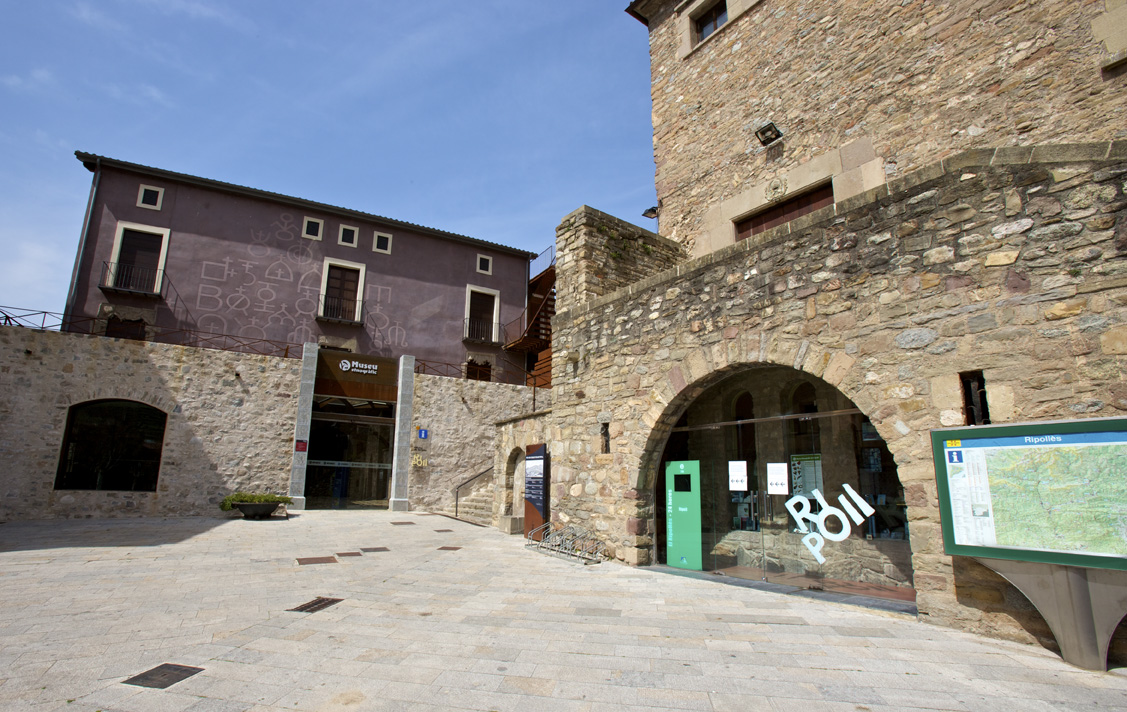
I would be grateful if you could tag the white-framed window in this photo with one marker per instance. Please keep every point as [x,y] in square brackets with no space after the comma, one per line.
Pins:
[137,260]
[312,228]
[484,264]
[483,314]
[381,242]
[150,197]
[342,284]
[348,235]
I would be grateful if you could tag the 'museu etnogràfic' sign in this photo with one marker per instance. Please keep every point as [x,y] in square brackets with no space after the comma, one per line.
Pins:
[340,373]
[1052,492]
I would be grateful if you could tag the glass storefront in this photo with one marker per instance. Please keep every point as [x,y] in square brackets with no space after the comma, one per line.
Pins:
[811,438]
[349,465]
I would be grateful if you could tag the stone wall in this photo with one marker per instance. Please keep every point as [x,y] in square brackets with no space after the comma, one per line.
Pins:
[230,421]
[1008,261]
[863,91]
[513,438]
[459,417]
[604,254]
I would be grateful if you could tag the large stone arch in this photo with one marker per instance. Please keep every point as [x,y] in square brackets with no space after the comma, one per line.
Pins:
[672,394]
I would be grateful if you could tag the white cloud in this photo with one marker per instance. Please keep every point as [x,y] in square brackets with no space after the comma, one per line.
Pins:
[201,11]
[36,79]
[85,13]
[138,95]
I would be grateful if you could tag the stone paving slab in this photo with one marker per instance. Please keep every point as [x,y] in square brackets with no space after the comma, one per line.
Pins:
[490,626]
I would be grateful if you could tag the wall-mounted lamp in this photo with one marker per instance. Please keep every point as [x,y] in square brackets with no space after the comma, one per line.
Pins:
[650,212]
[768,133]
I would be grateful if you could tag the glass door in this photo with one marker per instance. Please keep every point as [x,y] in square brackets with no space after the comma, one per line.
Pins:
[349,464]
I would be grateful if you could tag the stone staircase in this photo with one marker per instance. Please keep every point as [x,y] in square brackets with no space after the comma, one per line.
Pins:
[476,505]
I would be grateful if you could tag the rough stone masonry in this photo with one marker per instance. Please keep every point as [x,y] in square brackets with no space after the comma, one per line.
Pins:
[1008,260]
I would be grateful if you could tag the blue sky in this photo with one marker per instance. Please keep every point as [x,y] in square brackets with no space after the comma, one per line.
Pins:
[492,118]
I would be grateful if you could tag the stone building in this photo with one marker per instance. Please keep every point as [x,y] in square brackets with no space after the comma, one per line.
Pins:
[218,337]
[877,219]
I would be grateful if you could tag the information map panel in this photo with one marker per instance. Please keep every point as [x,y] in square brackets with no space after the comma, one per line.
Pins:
[1054,492]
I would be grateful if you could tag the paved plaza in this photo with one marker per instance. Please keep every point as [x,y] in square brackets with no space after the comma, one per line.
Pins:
[441,615]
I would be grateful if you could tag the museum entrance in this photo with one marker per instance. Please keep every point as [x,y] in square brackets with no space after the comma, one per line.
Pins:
[772,474]
[350,446]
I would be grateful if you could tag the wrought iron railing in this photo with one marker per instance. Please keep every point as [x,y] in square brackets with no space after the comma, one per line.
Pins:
[53,321]
[483,330]
[340,309]
[458,488]
[121,277]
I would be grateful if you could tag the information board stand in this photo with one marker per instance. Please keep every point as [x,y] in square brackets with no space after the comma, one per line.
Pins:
[1082,606]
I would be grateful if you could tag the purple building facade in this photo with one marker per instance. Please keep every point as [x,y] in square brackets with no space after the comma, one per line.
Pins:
[163,251]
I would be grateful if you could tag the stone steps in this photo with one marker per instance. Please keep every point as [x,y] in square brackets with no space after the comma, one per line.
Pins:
[476,506]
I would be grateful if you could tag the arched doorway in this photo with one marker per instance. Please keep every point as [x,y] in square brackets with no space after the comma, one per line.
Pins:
[828,463]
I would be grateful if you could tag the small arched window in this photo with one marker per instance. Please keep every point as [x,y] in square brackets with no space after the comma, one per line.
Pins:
[111,445]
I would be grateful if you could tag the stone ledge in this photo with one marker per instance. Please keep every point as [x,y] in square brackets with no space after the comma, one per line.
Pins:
[1111,61]
[1103,151]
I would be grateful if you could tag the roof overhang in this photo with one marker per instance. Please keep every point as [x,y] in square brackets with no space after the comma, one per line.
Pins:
[635,11]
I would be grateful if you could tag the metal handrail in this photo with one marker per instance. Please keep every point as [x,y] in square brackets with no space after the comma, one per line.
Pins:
[463,484]
[542,262]
[518,327]
[53,321]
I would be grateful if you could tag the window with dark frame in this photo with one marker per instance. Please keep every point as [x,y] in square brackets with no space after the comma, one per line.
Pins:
[485,264]
[975,408]
[138,260]
[342,287]
[711,20]
[119,328]
[479,325]
[478,371]
[311,228]
[785,211]
[150,197]
[111,445]
[347,235]
[382,243]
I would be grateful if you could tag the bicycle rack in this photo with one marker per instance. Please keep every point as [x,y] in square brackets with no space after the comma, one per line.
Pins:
[570,543]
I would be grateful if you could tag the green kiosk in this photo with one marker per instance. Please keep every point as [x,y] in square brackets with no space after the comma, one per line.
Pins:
[682,515]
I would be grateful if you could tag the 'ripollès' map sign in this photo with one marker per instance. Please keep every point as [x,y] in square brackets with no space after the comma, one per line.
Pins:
[1052,492]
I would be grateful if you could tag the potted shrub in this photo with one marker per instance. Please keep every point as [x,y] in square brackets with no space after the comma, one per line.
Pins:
[254,506]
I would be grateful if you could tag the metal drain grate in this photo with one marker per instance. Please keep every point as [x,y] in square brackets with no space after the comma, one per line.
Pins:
[317,604]
[163,676]
[402,524]
[449,548]
[349,553]
[443,531]
[371,549]
[317,560]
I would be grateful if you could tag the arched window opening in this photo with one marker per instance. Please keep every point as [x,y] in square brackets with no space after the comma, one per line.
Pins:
[805,446]
[111,445]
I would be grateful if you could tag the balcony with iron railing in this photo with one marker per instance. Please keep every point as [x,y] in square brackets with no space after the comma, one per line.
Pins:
[132,279]
[481,331]
[340,310]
